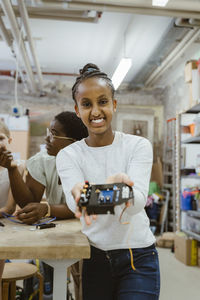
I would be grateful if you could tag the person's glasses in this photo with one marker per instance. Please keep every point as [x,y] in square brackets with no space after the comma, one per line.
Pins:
[52,136]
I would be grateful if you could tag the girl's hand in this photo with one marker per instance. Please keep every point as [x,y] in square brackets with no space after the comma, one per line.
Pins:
[121,178]
[76,193]
[6,158]
[31,213]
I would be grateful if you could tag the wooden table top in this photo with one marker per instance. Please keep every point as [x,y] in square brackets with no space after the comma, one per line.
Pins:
[65,241]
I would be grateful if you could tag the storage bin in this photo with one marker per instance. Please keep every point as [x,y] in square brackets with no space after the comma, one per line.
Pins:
[186,200]
[193,224]
[192,128]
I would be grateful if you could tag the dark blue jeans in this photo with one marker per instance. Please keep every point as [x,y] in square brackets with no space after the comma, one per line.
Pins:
[108,275]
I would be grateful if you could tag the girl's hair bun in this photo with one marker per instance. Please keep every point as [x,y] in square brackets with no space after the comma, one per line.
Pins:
[89,68]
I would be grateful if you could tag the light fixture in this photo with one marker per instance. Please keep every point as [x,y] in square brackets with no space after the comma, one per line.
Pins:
[121,71]
[159,2]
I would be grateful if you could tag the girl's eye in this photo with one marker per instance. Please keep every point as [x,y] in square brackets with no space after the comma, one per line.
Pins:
[103,101]
[86,104]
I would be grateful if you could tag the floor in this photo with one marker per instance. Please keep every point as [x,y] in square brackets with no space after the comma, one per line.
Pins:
[178,281]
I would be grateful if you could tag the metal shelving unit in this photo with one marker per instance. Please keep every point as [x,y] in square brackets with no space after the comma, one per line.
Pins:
[169,171]
[177,163]
[191,176]
[184,174]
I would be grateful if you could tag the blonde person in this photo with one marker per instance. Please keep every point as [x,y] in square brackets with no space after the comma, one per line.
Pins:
[7,203]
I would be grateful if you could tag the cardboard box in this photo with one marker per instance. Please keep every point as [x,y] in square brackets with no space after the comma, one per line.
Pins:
[157,173]
[185,249]
[190,65]
[166,240]
[198,251]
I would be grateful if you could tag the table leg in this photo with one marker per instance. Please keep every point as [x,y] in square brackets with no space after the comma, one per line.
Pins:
[5,290]
[12,290]
[60,277]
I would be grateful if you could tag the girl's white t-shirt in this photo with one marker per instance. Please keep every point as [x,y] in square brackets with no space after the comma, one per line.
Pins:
[128,154]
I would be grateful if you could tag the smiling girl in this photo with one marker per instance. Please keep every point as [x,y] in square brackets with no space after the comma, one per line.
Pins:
[124,262]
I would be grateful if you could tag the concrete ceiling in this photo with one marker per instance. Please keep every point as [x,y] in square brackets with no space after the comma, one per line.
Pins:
[69,34]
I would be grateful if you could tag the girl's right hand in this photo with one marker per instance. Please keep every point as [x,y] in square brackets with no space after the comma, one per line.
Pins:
[76,193]
[6,158]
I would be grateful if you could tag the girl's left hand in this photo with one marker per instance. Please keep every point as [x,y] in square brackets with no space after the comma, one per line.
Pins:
[76,193]
[121,178]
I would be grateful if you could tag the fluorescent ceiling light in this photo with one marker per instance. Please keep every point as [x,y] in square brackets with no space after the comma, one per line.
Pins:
[121,71]
[159,2]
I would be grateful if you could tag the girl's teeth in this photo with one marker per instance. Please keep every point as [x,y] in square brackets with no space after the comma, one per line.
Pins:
[97,121]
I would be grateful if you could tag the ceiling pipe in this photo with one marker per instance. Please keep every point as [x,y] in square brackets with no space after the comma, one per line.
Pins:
[9,40]
[60,74]
[8,73]
[89,5]
[64,18]
[189,38]
[194,22]
[191,23]
[12,73]
[60,7]
[24,17]
[133,9]
[4,34]
[180,22]
[114,7]
[57,14]
[7,8]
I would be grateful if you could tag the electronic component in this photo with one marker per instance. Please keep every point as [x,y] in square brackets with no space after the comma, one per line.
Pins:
[44,226]
[102,198]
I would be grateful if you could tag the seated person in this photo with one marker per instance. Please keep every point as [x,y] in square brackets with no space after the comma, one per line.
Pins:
[65,129]
[7,203]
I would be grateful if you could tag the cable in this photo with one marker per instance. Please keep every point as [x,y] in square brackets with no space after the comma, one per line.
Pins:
[120,218]
[130,250]
[132,263]
[9,217]
[17,66]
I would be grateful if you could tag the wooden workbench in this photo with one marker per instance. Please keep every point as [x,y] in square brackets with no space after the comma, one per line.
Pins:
[60,247]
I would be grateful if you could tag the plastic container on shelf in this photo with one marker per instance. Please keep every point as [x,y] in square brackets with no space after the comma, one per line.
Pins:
[193,224]
[186,199]
[192,128]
